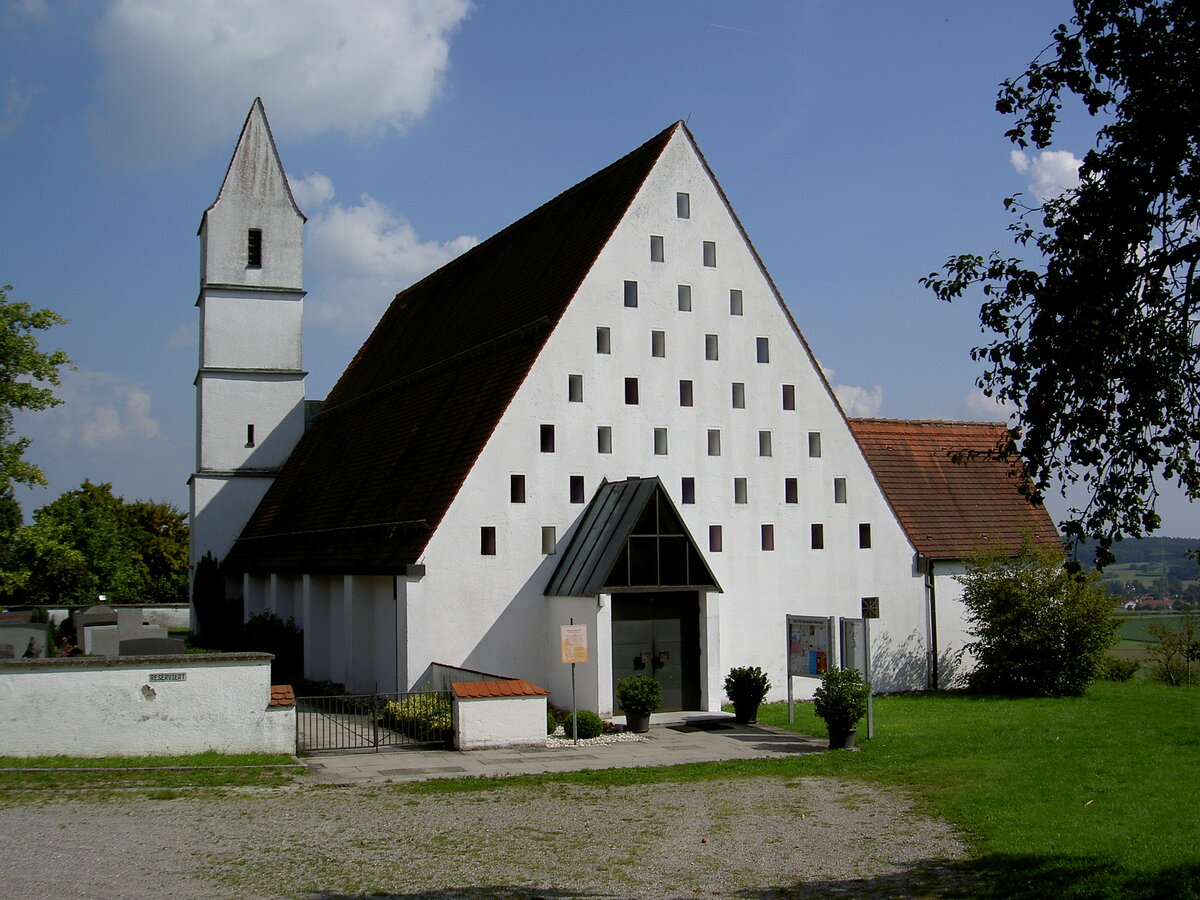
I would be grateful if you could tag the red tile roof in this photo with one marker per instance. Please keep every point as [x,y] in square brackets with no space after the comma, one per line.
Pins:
[481,690]
[951,493]
[282,695]
[372,477]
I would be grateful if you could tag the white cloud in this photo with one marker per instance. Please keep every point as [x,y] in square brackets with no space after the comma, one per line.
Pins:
[991,409]
[359,257]
[177,75]
[857,401]
[20,10]
[1051,171]
[100,410]
[15,105]
[311,192]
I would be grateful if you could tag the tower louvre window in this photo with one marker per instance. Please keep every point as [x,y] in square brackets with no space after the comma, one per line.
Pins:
[254,248]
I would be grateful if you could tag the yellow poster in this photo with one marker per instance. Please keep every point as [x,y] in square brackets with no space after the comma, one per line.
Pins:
[574,643]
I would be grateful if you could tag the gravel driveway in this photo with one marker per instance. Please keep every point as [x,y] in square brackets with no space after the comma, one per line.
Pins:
[752,837]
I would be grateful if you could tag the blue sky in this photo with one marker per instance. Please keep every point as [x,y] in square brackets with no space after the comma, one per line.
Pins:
[857,142]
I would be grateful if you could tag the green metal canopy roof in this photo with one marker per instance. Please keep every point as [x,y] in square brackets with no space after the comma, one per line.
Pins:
[630,537]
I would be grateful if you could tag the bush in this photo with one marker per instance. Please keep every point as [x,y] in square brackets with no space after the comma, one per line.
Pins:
[589,724]
[747,684]
[551,723]
[841,700]
[266,632]
[1040,631]
[425,717]
[1114,669]
[1176,653]
[639,695]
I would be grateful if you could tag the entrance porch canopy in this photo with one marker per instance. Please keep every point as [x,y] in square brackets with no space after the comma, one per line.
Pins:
[630,538]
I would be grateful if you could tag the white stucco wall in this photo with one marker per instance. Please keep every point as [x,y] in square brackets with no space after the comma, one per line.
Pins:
[485,724]
[488,612]
[92,707]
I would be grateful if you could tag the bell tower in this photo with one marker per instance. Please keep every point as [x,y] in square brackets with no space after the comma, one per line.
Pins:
[250,380]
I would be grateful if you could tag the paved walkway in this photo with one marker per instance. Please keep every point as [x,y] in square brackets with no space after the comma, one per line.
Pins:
[674,738]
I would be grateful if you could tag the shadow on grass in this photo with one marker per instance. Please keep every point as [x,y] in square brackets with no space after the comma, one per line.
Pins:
[997,877]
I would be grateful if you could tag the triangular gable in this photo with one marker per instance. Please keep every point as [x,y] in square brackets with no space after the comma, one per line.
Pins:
[631,537]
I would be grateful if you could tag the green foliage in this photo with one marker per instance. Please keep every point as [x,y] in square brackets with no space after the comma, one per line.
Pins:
[1095,337]
[588,722]
[747,684]
[551,723]
[639,694]
[420,716]
[841,700]
[26,377]
[267,632]
[1114,669]
[1175,654]
[89,542]
[1039,630]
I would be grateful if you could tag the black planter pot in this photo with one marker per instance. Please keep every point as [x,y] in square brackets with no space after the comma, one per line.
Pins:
[842,738]
[638,723]
[745,712]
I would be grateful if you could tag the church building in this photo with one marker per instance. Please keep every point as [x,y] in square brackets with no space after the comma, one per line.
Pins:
[603,415]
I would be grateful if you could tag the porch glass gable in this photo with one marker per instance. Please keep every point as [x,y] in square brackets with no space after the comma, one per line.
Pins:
[630,537]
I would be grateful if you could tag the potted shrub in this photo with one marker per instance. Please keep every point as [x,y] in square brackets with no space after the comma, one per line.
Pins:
[746,687]
[841,701]
[638,696]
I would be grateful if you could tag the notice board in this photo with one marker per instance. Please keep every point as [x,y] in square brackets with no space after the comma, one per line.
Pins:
[810,646]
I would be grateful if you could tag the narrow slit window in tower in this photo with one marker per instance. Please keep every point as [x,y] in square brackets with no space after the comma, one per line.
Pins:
[249,435]
[254,248]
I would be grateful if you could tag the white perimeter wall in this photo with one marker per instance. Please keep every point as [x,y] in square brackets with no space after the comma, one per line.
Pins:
[486,723]
[92,707]
[488,612]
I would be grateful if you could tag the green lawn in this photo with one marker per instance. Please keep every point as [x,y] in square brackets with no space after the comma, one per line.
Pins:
[58,773]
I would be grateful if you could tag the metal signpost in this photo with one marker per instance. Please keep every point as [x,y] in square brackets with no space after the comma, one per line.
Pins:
[870,610]
[573,646]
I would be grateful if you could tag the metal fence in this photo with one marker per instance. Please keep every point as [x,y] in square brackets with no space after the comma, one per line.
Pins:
[372,721]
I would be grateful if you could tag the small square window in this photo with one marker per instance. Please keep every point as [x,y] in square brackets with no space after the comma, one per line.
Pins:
[818,536]
[710,346]
[814,444]
[658,343]
[254,248]
[768,537]
[603,339]
[516,488]
[714,442]
[631,391]
[685,393]
[683,206]
[631,294]
[656,248]
[740,491]
[683,294]
[710,253]
[839,490]
[764,443]
[547,438]
[660,442]
[714,539]
[789,396]
[574,388]
[604,439]
[864,536]
[735,303]
[576,487]
[487,540]
[739,395]
[791,490]
[687,490]
[549,539]
[763,349]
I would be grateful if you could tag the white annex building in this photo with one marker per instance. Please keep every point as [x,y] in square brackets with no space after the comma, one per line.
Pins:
[603,414]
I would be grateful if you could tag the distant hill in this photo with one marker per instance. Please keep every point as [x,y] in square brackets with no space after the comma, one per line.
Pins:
[1151,567]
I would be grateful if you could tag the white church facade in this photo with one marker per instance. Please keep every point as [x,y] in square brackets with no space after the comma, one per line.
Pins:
[603,415]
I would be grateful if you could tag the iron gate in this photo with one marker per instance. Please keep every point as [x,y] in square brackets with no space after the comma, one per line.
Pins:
[371,721]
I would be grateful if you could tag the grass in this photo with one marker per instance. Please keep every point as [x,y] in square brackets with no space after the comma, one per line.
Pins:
[1087,797]
[162,773]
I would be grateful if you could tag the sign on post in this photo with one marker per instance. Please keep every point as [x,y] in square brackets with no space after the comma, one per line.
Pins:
[573,643]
